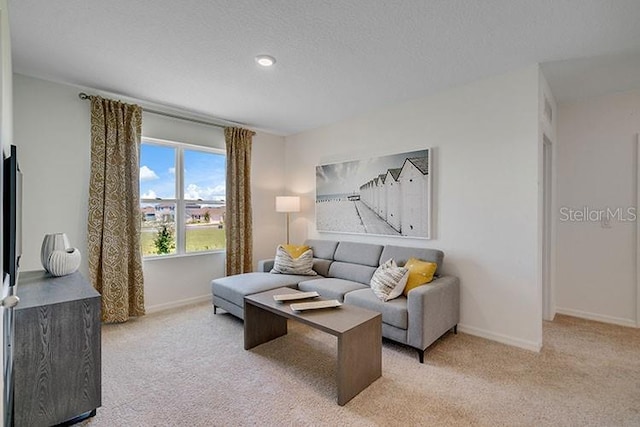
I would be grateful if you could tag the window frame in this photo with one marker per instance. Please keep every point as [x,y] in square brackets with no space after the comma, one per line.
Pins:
[179,200]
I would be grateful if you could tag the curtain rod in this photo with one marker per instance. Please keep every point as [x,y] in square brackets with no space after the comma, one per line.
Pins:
[84,96]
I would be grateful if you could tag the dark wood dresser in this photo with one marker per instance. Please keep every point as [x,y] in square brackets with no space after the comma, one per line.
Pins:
[57,354]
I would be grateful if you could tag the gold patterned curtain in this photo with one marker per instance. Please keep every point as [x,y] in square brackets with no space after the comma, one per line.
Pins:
[238,221]
[115,261]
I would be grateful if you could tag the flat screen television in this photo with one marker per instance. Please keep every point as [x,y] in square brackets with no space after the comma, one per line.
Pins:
[12,250]
[12,217]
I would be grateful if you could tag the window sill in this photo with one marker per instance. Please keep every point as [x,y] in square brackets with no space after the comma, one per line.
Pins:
[154,258]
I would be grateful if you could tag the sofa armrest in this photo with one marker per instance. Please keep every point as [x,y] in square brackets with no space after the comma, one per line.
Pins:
[265,265]
[433,309]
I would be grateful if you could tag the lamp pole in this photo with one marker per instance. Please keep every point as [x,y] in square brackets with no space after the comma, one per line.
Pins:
[287,228]
[288,204]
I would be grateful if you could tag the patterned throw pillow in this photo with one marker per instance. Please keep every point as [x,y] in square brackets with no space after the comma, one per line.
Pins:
[287,264]
[389,280]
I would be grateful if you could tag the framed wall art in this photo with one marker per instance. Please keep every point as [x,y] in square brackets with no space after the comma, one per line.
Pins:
[387,195]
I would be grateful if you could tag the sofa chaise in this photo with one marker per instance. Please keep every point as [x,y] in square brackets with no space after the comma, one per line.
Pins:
[344,273]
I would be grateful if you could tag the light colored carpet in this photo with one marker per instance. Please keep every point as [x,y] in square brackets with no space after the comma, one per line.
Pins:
[187,367]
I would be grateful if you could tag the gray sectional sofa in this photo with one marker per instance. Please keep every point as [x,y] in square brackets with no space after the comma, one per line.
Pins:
[344,272]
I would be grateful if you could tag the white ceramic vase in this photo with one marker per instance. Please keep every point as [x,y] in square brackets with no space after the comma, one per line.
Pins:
[56,255]
[63,262]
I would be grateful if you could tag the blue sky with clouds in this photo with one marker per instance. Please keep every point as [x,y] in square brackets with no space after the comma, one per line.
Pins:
[204,176]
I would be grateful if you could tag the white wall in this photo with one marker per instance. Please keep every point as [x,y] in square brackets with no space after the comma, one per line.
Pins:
[486,171]
[547,127]
[53,133]
[596,276]
[267,182]
[6,139]
[6,88]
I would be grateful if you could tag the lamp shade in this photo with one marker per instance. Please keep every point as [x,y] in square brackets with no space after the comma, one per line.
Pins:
[287,204]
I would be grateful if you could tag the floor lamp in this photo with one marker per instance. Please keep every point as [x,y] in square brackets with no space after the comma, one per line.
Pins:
[287,204]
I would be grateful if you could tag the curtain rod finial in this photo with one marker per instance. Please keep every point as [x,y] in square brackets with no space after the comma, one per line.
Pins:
[83,95]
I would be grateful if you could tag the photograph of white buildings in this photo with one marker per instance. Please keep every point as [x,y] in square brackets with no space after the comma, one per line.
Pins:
[388,195]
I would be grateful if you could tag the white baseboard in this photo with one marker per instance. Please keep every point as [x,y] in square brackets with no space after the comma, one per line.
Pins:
[597,317]
[173,304]
[504,339]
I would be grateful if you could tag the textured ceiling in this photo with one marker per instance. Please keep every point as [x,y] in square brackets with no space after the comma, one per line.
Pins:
[577,79]
[335,58]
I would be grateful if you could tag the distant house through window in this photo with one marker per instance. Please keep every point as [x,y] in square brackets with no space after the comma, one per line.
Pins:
[182,198]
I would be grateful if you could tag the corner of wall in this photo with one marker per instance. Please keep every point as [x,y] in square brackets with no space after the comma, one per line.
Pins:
[268,180]
[547,127]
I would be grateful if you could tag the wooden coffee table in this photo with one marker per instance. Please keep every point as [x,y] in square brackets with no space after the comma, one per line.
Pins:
[359,333]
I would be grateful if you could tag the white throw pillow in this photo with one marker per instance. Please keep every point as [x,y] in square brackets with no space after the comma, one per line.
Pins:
[286,264]
[389,280]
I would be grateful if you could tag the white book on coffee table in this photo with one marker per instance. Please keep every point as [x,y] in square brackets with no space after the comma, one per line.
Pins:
[315,305]
[296,296]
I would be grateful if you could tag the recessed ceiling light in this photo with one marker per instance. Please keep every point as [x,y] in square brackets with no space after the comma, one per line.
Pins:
[265,60]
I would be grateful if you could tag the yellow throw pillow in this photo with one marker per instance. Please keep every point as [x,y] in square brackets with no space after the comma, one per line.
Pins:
[295,251]
[420,273]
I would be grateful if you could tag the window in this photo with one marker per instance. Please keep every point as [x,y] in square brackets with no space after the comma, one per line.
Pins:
[182,198]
